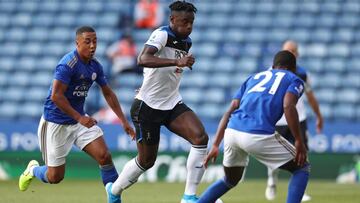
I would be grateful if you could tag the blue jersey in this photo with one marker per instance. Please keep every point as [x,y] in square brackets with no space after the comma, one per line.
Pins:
[79,77]
[261,100]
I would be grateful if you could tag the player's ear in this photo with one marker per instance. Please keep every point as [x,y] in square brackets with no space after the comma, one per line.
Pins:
[171,18]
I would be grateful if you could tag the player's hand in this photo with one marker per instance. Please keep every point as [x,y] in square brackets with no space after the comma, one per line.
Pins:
[129,130]
[319,125]
[185,61]
[87,121]
[301,153]
[212,155]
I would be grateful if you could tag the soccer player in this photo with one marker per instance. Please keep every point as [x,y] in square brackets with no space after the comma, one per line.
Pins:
[283,129]
[250,129]
[64,122]
[158,102]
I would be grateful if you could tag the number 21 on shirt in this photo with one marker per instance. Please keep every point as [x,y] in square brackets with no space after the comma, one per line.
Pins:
[260,87]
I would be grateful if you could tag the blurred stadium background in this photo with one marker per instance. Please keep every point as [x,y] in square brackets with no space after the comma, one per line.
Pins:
[231,39]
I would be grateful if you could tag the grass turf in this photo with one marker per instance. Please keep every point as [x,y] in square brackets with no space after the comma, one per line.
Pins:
[91,191]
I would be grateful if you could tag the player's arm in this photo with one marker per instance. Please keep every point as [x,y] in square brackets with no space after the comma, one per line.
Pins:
[59,99]
[148,59]
[113,102]
[315,107]
[219,136]
[292,120]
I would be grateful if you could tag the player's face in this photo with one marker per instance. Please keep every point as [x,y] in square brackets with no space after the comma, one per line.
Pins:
[181,23]
[86,45]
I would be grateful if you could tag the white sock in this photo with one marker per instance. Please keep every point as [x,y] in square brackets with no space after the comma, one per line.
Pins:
[272,176]
[195,168]
[128,176]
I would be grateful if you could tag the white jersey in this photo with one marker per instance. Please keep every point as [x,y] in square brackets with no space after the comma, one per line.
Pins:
[300,106]
[160,87]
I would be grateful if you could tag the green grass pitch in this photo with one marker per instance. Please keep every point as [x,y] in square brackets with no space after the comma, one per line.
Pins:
[83,191]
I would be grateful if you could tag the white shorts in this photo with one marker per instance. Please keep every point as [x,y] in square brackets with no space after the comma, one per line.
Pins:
[271,150]
[56,140]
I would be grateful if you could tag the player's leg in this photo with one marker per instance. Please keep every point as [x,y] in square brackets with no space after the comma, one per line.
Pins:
[285,152]
[235,160]
[298,180]
[147,137]
[134,168]
[98,150]
[55,144]
[304,133]
[270,191]
[285,132]
[186,124]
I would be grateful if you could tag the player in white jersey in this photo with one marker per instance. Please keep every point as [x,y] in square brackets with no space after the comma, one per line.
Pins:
[282,127]
[159,102]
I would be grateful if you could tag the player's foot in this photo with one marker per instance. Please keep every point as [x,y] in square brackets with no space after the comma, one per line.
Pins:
[270,192]
[27,176]
[111,197]
[306,198]
[189,199]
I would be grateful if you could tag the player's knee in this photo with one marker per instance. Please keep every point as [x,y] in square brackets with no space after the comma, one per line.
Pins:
[147,162]
[55,178]
[104,158]
[233,181]
[201,138]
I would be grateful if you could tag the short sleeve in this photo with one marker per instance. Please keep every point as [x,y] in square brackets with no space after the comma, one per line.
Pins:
[101,79]
[157,39]
[239,94]
[63,73]
[296,87]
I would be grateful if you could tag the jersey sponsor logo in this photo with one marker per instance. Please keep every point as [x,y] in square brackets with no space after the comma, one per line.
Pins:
[81,90]
[178,55]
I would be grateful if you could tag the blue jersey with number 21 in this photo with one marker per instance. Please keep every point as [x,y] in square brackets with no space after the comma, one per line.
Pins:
[261,100]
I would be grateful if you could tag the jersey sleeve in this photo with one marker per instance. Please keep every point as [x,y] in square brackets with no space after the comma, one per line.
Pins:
[63,73]
[157,39]
[101,78]
[296,87]
[239,94]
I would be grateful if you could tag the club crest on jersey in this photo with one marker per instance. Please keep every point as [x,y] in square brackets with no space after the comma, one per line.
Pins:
[93,76]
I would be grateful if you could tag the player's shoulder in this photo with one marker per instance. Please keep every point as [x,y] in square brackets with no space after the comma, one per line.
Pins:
[301,71]
[70,59]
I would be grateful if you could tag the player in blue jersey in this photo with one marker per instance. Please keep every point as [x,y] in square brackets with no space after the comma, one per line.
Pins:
[159,103]
[283,129]
[248,127]
[64,122]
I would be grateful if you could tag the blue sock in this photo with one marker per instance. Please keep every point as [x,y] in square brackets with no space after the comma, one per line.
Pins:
[297,184]
[40,172]
[214,191]
[108,173]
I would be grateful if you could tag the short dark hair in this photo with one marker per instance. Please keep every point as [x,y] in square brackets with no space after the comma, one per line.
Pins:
[284,59]
[182,6]
[83,29]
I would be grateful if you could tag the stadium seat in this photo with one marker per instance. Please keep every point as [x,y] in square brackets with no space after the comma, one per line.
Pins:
[240,40]
[32,110]
[348,96]
[192,95]
[19,79]
[9,110]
